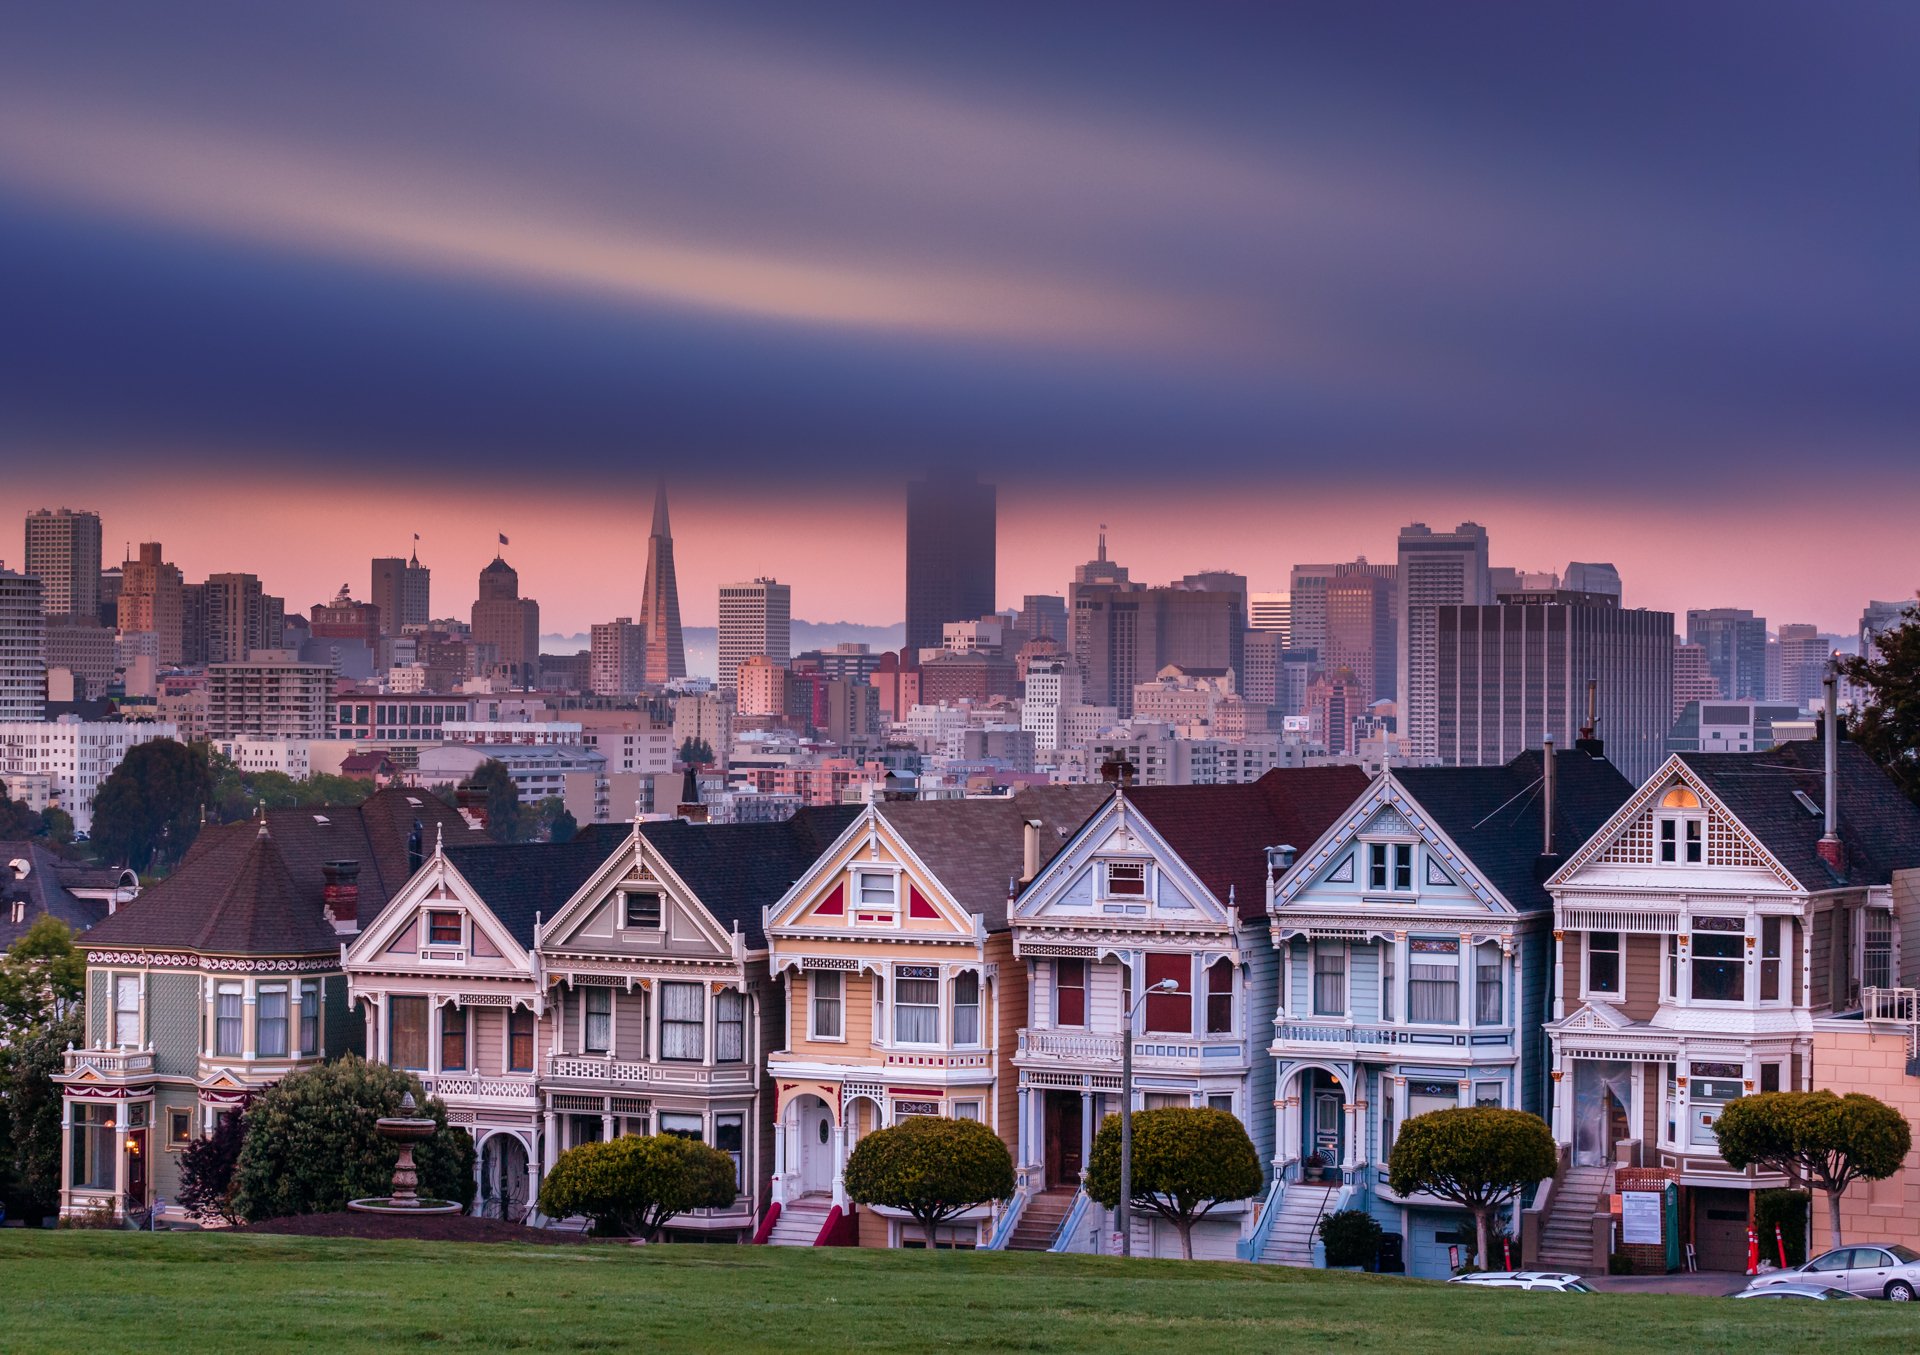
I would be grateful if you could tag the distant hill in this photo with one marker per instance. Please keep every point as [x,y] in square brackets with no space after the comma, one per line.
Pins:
[700,641]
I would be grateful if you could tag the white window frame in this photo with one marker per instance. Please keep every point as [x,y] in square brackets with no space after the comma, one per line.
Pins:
[939,996]
[814,976]
[660,923]
[426,928]
[1392,854]
[1683,844]
[895,910]
[1346,978]
[978,1005]
[1110,895]
[1587,992]
[117,1011]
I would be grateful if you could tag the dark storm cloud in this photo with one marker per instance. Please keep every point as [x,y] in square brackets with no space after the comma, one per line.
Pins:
[1482,241]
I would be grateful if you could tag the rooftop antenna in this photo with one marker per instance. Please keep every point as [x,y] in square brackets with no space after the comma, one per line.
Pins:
[1103,543]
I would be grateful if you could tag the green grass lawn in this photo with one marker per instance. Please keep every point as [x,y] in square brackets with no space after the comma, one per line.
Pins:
[212,1292]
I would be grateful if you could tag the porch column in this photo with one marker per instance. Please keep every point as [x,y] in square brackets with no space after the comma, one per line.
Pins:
[1086,1129]
[606,1129]
[549,1141]
[1562,1100]
[66,1153]
[1559,974]
[533,1181]
[779,1161]
[1354,1127]
[294,985]
[120,1117]
[839,1161]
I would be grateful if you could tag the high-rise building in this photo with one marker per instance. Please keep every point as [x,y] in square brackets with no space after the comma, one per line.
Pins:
[1879,617]
[271,695]
[1736,644]
[23,647]
[1436,569]
[1052,690]
[1272,612]
[1260,666]
[150,600]
[760,686]
[1693,681]
[1335,699]
[506,624]
[1592,578]
[1043,616]
[1125,633]
[1510,673]
[345,619]
[233,610]
[660,601]
[403,591]
[63,552]
[1805,657]
[951,553]
[617,657]
[1360,629]
[1307,605]
[756,620]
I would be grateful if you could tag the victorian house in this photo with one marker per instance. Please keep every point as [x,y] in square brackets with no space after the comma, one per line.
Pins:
[1736,905]
[902,992]
[221,979]
[1162,885]
[1414,969]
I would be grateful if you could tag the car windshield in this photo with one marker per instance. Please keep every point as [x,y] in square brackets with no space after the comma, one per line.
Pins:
[1906,1256]
[1579,1287]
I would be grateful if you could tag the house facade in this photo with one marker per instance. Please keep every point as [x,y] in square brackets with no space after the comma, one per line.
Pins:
[1161,883]
[1414,958]
[1734,906]
[902,993]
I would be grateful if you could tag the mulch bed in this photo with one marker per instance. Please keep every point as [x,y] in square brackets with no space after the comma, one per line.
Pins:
[427,1228]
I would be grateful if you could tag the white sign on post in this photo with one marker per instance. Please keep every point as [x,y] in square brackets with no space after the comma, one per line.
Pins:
[1641,1218]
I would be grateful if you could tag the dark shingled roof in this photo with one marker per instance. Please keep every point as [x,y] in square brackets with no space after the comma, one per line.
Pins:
[977,848]
[737,869]
[47,890]
[1494,814]
[1879,827]
[227,898]
[1223,832]
[535,879]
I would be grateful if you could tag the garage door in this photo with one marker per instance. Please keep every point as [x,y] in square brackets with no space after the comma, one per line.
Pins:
[1720,1229]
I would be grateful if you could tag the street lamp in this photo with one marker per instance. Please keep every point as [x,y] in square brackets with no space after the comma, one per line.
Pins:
[1126,1113]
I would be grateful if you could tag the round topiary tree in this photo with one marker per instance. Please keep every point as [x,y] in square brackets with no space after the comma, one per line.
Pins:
[636,1183]
[1351,1236]
[1815,1139]
[931,1168]
[1478,1157]
[1186,1161]
[311,1144]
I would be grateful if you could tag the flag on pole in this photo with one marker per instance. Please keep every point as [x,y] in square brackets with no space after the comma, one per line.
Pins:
[503,539]
[416,536]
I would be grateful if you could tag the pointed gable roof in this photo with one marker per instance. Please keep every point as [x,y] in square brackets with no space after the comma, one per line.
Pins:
[1494,815]
[737,869]
[48,889]
[522,881]
[1223,832]
[977,848]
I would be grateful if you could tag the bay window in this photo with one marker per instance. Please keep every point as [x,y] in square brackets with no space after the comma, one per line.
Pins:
[729,1026]
[453,1039]
[407,1033]
[519,1040]
[1220,997]
[916,1004]
[310,1016]
[1487,987]
[1719,959]
[966,1008]
[1770,959]
[1069,992]
[683,1022]
[1433,982]
[1389,978]
[823,1005]
[93,1164]
[126,1010]
[270,1021]
[1603,962]
[1709,1089]
[1170,1013]
[1329,978]
[730,1137]
[682,1126]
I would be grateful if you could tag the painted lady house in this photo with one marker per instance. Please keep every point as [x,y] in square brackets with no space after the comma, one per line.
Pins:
[1732,907]
[1414,966]
[1161,884]
[903,995]
[220,980]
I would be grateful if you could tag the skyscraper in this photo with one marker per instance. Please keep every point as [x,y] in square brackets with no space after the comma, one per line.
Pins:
[1437,569]
[1805,657]
[1692,679]
[951,545]
[1736,644]
[1124,633]
[23,647]
[507,623]
[756,621]
[402,590]
[660,602]
[63,552]
[1043,616]
[1592,578]
[1307,605]
[617,658]
[150,600]
[1272,612]
[1360,629]
[235,616]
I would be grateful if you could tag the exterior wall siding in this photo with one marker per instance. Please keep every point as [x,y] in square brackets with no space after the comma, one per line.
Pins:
[1009,1011]
[1641,966]
[1257,1011]
[174,1016]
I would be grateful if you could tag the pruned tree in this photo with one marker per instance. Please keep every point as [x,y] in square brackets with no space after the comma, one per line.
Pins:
[1887,724]
[207,1169]
[1815,1139]
[1186,1163]
[637,1183]
[933,1169]
[1477,1157]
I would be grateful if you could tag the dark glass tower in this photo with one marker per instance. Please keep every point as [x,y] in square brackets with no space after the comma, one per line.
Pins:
[950,554]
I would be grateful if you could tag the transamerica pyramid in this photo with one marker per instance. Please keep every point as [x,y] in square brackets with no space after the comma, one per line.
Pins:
[660,604]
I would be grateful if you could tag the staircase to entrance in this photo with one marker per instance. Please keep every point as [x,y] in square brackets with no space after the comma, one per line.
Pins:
[1301,1207]
[1566,1240]
[800,1222]
[1039,1223]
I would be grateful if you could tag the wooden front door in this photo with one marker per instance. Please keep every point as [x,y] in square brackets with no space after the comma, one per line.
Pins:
[1063,1130]
[136,1169]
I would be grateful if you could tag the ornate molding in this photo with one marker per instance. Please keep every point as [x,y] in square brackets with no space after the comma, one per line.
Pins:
[218,964]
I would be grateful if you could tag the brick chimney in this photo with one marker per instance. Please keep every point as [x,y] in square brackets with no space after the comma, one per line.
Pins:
[471,801]
[340,894]
[1117,770]
[1832,850]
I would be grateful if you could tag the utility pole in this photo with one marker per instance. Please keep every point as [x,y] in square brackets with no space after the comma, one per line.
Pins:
[1126,1116]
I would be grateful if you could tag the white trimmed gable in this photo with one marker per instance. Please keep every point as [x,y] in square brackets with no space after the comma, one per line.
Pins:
[1117,871]
[634,905]
[870,883]
[407,936]
[1417,865]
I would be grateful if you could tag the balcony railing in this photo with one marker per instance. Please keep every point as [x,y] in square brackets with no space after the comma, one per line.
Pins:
[479,1088]
[1901,1005]
[111,1062]
[1149,1048]
[1298,1033]
[1064,1044]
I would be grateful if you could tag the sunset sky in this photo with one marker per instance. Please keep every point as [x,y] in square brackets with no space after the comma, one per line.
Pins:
[283,285]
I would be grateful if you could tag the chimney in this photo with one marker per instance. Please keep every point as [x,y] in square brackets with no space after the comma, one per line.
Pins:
[1589,741]
[1548,777]
[690,807]
[471,801]
[1831,849]
[1117,770]
[341,894]
[1030,860]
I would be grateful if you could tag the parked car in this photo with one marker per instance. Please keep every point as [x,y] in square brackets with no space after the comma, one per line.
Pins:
[1888,1271]
[1554,1281]
[1793,1291]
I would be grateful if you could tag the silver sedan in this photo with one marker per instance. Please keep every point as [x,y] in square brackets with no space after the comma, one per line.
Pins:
[1872,1272]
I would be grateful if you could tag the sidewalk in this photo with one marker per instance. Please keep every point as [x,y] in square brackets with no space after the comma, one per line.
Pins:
[1710,1282]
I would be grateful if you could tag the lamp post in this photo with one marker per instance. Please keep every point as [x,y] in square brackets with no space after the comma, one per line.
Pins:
[1126,1115]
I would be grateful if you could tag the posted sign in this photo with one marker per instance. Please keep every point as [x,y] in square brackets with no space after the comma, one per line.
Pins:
[1640,1218]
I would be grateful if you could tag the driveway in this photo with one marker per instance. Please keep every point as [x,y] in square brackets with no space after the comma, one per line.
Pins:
[1715,1283]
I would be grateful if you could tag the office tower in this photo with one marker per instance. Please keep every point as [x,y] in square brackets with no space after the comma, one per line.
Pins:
[660,600]
[1436,569]
[1592,578]
[268,696]
[1502,580]
[357,622]
[63,552]
[1805,657]
[1512,672]
[1052,690]
[760,686]
[402,590]
[756,619]
[1307,605]
[1097,578]
[506,624]
[109,612]
[23,647]
[1295,676]
[233,612]
[1272,612]
[1692,680]
[1736,644]
[617,657]
[1878,617]
[1360,629]
[150,600]
[1127,633]
[1260,666]
[1335,700]
[950,554]
[1043,616]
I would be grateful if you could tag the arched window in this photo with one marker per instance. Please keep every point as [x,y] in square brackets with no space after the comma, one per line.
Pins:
[1680,798]
[1220,997]
[1681,829]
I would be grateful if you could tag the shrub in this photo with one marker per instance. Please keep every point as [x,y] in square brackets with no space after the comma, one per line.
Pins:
[1619,1263]
[207,1166]
[311,1144]
[1477,1157]
[932,1168]
[1352,1238]
[1790,1210]
[1185,1162]
[636,1183]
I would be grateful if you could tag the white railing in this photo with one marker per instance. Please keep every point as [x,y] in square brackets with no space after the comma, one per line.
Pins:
[111,1062]
[1064,1044]
[1148,1048]
[479,1088]
[1895,1006]
[599,1070]
[1297,1033]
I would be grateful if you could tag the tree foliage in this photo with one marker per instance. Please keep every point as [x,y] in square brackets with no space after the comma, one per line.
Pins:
[207,1169]
[41,976]
[1478,1157]
[931,1168]
[238,795]
[695,753]
[30,1111]
[507,819]
[636,1183]
[311,1144]
[1185,1162]
[147,811]
[1351,1236]
[1815,1139]
[1887,725]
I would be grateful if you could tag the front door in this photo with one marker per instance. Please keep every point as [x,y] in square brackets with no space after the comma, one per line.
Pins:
[1063,1122]
[503,1178]
[1327,1115]
[136,1169]
[816,1147]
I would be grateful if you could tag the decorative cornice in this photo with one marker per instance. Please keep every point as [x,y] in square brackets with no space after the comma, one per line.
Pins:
[219,964]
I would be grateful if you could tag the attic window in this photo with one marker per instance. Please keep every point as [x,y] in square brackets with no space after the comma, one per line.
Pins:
[443,928]
[641,911]
[415,803]
[1807,803]
[1680,798]
[322,820]
[1126,879]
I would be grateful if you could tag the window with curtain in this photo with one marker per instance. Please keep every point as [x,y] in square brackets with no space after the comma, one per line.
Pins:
[407,1032]
[1220,997]
[1486,986]
[229,1022]
[1069,992]
[1433,982]
[823,992]
[916,1004]
[1170,1013]
[1329,978]
[519,1040]
[443,929]
[270,1021]
[596,1020]
[1719,959]
[729,1027]
[453,1038]
[966,1008]
[682,1126]
[1388,980]
[126,1010]
[92,1145]
[683,1022]
[310,1017]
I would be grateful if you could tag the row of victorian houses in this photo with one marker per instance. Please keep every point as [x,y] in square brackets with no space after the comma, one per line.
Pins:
[1344,953]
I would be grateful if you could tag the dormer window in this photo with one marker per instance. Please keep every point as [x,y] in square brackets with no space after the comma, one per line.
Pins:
[877,896]
[640,912]
[1126,879]
[443,928]
[1682,828]
[1390,867]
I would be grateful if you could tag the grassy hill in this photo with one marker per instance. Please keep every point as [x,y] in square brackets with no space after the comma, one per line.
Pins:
[213,1292]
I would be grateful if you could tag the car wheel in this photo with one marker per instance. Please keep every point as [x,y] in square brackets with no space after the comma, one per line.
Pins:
[1900,1292]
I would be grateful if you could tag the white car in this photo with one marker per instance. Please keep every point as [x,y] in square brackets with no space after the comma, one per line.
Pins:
[1554,1281]
[1888,1271]
[1789,1290]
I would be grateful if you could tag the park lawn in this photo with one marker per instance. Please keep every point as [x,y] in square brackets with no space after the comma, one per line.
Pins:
[64,1291]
